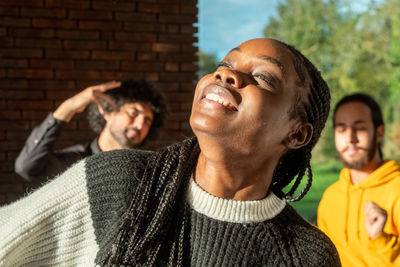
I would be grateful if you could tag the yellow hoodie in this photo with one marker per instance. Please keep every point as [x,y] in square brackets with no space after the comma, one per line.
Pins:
[341,217]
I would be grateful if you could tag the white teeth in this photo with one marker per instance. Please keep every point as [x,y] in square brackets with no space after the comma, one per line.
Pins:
[217,98]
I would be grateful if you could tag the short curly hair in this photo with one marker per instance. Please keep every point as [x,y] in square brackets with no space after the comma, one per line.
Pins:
[131,90]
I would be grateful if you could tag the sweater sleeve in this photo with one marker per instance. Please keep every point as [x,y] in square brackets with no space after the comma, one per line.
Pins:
[51,226]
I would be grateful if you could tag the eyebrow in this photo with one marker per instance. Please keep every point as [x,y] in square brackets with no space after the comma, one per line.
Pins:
[344,124]
[266,58]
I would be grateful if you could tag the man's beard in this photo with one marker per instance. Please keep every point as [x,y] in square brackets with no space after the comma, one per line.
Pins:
[359,164]
[123,140]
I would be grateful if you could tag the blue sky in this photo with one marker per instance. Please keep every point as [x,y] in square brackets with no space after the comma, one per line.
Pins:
[224,24]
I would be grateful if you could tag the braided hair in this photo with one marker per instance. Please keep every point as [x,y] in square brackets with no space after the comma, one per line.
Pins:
[315,110]
[156,226]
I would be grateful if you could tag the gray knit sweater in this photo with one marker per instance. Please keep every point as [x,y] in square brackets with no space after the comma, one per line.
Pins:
[73,220]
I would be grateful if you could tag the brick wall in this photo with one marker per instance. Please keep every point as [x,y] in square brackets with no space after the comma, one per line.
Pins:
[52,49]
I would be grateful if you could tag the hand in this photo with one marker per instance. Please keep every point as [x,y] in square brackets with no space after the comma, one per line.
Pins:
[375,219]
[79,102]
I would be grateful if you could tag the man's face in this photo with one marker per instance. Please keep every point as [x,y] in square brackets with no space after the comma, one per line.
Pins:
[246,101]
[355,135]
[131,124]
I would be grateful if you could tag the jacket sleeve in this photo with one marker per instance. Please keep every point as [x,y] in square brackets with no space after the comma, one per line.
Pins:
[52,226]
[32,161]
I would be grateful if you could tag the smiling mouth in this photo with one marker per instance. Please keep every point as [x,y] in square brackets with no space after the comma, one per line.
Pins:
[219,99]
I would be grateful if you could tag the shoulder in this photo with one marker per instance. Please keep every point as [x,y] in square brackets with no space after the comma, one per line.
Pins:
[313,247]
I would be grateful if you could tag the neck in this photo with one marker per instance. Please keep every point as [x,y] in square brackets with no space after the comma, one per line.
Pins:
[225,174]
[107,141]
[360,175]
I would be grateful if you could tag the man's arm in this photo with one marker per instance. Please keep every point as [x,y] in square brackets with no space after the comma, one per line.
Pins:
[37,158]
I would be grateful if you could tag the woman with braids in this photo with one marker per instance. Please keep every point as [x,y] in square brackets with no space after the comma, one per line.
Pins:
[212,200]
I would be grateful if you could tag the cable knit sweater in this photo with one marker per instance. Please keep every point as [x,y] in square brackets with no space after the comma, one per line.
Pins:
[73,220]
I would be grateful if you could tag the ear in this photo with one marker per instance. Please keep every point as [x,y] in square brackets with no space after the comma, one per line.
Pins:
[380,132]
[106,115]
[300,136]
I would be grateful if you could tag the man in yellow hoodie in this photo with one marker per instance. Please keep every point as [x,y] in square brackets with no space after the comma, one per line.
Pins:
[361,211]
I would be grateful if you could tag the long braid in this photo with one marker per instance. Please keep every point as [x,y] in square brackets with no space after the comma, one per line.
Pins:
[315,110]
[149,233]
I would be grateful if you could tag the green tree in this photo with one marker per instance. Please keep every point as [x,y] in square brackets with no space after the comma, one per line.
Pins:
[207,63]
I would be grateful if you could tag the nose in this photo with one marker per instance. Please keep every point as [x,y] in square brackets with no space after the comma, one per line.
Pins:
[139,121]
[229,77]
[353,136]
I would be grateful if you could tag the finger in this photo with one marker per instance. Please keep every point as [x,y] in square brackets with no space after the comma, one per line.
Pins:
[107,86]
[99,97]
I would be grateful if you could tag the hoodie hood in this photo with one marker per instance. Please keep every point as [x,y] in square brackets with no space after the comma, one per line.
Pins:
[382,175]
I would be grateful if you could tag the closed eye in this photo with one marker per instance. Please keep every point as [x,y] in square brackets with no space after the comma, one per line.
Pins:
[264,79]
[224,64]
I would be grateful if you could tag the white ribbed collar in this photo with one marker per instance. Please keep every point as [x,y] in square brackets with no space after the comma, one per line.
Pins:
[230,210]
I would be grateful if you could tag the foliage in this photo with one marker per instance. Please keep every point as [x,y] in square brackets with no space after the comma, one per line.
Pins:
[355,51]
[207,63]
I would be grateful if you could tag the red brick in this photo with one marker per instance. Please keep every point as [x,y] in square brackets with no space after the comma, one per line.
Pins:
[173,125]
[90,14]
[189,48]
[43,12]
[177,76]
[21,53]
[186,106]
[152,76]
[114,5]
[137,17]
[189,9]
[2,73]
[178,57]
[180,97]
[173,28]
[34,115]
[177,38]
[15,125]
[165,47]
[30,73]
[113,55]
[18,135]
[51,63]
[17,22]
[77,74]
[19,3]
[188,29]
[36,104]
[189,67]
[3,31]
[131,46]
[97,65]
[6,42]
[77,34]
[13,63]
[79,4]
[38,43]
[36,33]
[141,66]
[52,85]
[129,75]
[9,11]
[109,75]
[9,84]
[179,19]
[69,54]
[2,154]
[69,44]
[158,8]
[10,114]
[106,35]
[140,37]
[58,94]
[54,23]
[146,56]
[22,94]
[145,27]
[99,25]
[171,66]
